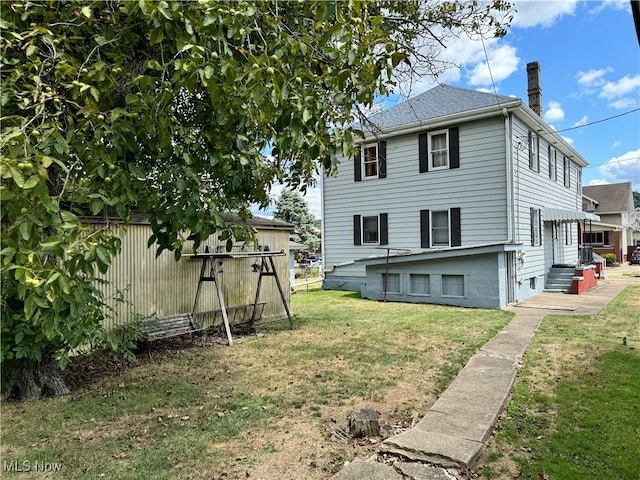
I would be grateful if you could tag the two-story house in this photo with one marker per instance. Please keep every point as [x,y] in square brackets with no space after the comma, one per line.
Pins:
[613,203]
[458,197]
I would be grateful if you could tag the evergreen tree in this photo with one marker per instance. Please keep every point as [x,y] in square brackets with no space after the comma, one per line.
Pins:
[292,208]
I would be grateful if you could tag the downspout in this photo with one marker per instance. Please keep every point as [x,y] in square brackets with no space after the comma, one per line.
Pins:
[509,174]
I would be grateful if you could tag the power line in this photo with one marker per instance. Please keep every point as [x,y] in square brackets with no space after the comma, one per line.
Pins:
[495,90]
[597,121]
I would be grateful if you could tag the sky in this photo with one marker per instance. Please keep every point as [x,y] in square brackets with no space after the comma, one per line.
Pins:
[590,72]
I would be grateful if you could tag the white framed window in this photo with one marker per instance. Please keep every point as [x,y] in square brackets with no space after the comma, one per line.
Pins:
[391,282]
[439,150]
[568,239]
[371,229]
[579,181]
[440,228]
[419,284]
[536,226]
[453,285]
[553,163]
[370,161]
[534,158]
[566,172]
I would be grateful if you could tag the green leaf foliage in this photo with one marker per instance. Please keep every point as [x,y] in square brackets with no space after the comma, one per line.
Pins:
[183,111]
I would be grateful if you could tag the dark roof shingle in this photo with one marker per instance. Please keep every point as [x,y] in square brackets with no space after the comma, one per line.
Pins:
[439,101]
[613,197]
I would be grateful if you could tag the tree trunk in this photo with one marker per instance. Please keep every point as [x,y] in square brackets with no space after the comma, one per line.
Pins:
[36,379]
[364,423]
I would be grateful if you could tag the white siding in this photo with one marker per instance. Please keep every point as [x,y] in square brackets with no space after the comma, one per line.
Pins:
[534,189]
[478,188]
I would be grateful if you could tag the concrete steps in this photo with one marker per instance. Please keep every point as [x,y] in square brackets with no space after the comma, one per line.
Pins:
[560,279]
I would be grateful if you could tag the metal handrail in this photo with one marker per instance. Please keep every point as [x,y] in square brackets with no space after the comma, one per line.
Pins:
[598,259]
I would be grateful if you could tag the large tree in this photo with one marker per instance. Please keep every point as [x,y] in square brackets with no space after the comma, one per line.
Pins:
[182,110]
[292,208]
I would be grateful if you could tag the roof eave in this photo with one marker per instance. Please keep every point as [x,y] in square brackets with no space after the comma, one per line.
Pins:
[533,120]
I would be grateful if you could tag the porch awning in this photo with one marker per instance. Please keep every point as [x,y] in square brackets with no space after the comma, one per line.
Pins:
[567,216]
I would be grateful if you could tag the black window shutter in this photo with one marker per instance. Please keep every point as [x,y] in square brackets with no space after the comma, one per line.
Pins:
[532,218]
[382,159]
[456,232]
[539,213]
[423,153]
[357,236]
[384,229]
[425,241]
[454,148]
[357,165]
[537,153]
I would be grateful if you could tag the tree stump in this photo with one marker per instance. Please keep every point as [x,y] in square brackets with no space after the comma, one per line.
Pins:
[364,423]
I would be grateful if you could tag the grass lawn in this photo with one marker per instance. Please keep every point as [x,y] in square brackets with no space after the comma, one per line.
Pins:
[269,407]
[575,411]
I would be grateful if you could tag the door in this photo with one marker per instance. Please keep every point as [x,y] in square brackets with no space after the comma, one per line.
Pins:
[557,233]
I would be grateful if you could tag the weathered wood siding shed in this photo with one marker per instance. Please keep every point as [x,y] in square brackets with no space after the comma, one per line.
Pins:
[162,286]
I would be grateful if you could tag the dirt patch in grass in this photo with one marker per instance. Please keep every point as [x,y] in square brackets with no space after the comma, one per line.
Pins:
[275,405]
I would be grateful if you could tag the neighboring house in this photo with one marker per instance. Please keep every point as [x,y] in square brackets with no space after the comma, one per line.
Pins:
[613,203]
[635,227]
[459,197]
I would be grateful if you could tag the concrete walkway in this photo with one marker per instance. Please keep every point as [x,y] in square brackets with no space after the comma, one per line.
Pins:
[454,431]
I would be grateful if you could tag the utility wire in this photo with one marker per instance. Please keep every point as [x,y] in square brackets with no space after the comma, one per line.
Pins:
[597,121]
[495,90]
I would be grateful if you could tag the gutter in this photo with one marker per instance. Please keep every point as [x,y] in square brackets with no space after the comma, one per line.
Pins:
[531,119]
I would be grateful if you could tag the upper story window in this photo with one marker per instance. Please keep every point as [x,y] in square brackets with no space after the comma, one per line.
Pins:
[440,228]
[579,182]
[534,154]
[566,171]
[371,161]
[439,150]
[553,163]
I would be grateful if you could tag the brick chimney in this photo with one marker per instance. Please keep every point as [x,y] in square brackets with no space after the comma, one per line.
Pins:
[533,87]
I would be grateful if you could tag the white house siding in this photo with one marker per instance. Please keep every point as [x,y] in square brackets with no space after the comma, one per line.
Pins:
[478,188]
[534,189]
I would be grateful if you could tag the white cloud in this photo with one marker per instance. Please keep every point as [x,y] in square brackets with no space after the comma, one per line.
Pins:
[616,4]
[625,168]
[503,61]
[544,13]
[624,103]
[581,122]
[597,181]
[594,77]
[617,143]
[569,140]
[554,113]
[624,86]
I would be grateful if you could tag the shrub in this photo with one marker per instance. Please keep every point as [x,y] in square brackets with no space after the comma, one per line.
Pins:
[610,258]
